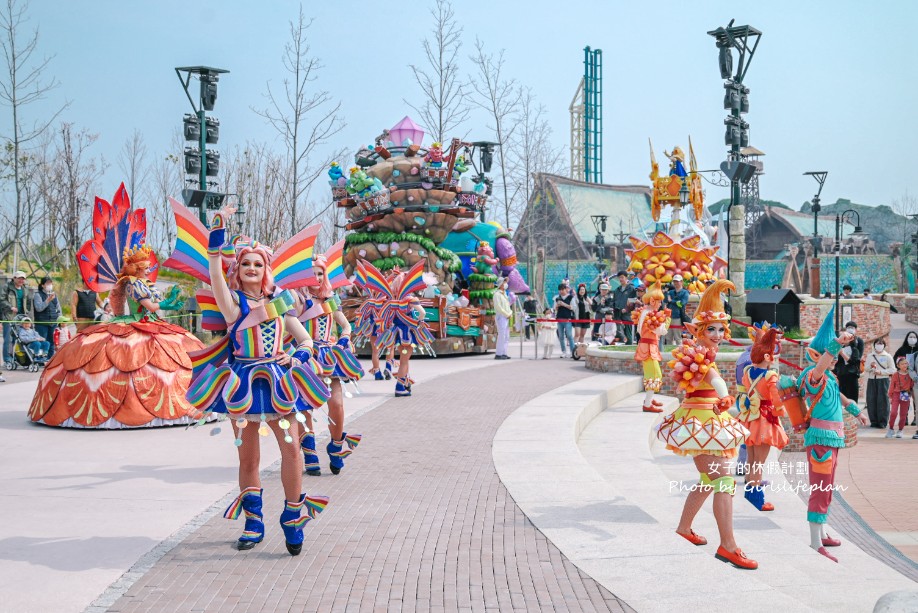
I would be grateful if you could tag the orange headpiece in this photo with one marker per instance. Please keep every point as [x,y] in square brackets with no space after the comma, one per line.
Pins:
[764,343]
[132,258]
[711,306]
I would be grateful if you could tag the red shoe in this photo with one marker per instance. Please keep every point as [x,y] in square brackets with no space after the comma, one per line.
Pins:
[737,558]
[652,409]
[694,539]
[823,551]
[656,403]
[767,507]
[831,542]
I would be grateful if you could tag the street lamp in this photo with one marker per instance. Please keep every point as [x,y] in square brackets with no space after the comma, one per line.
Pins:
[858,232]
[815,281]
[599,222]
[239,216]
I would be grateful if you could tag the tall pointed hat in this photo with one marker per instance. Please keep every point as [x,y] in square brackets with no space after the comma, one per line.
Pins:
[711,306]
[824,336]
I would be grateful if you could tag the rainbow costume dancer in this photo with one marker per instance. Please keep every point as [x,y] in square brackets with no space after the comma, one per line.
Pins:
[825,434]
[366,326]
[318,311]
[134,370]
[652,324]
[400,318]
[760,407]
[702,428]
[247,374]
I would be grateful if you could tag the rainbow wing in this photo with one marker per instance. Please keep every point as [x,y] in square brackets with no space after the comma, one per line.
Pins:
[292,263]
[334,268]
[375,281]
[413,281]
[211,317]
[190,253]
[360,274]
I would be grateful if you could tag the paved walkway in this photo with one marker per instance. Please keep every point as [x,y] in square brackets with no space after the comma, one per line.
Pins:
[418,521]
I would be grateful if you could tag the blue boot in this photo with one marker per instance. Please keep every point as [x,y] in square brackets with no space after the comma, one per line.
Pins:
[387,373]
[311,460]
[292,519]
[756,497]
[402,387]
[377,374]
[249,502]
[337,453]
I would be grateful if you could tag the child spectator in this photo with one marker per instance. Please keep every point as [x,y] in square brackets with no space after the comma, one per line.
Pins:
[36,343]
[900,396]
[547,331]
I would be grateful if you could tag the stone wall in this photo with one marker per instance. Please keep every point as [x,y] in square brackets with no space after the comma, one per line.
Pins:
[911,310]
[871,316]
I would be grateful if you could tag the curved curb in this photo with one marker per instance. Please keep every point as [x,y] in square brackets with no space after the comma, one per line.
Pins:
[614,519]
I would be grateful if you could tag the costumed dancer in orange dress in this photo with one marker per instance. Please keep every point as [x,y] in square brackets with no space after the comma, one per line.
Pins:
[247,374]
[132,371]
[319,311]
[701,427]
[760,409]
[652,324]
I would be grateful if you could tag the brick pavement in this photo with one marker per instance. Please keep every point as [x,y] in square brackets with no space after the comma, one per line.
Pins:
[418,521]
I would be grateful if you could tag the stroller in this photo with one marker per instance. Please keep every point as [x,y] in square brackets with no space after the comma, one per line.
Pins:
[23,355]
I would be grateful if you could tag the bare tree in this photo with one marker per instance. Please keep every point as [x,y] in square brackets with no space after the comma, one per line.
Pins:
[445,106]
[69,183]
[132,160]
[498,96]
[305,116]
[258,177]
[167,177]
[530,151]
[905,205]
[23,84]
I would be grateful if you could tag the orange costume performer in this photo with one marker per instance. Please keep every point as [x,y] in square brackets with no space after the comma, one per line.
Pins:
[652,324]
[759,412]
[702,429]
[134,370]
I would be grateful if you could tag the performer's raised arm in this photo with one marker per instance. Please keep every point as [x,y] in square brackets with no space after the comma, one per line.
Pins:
[222,293]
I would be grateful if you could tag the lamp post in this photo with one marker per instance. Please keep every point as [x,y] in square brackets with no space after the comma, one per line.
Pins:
[839,220]
[815,281]
[620,247]
[676,221]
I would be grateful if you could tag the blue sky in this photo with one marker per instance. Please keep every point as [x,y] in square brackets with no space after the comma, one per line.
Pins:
[832,83]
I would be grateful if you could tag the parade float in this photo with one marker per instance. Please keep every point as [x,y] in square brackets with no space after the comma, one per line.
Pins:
[132,371]
[685,246]
[405,202]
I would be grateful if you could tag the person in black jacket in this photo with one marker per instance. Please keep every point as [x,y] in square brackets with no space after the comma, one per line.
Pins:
[602,307]
[582,313]
[848,367]
[531,308]
[620,297]
[47,312]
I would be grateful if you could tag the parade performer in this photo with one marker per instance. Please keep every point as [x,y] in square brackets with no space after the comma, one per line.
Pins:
[702,428]
[132,371]
[319,311]
[825,435]
[246,374]
[760,407]
[652,324]
[400,319]
[366,328]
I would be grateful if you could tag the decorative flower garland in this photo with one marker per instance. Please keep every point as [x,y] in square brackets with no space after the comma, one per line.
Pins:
[691,364]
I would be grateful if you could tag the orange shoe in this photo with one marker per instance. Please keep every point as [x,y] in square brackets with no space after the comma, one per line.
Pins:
[823,551]
[767,507]
[736,558]
[694,539]
[830,542]
[652,409]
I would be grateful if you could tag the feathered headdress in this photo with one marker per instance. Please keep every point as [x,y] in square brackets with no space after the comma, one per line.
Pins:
[711,308]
